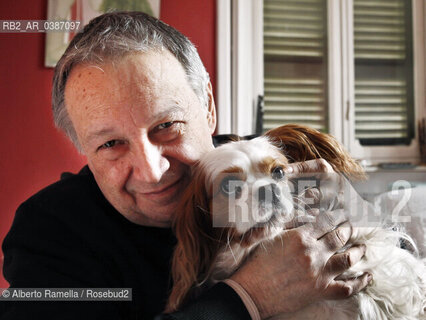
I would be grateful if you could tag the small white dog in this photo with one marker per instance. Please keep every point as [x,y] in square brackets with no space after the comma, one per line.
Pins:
[240,197]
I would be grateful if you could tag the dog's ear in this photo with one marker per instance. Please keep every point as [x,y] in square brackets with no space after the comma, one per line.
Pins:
[196,247]
[301,143]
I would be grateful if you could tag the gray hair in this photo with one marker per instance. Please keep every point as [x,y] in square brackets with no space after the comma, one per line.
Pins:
[114,35]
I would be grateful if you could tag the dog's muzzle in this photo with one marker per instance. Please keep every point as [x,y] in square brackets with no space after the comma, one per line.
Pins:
[270,194]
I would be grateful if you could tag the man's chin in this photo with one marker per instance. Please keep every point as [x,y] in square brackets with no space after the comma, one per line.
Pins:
[150,219]
[161,218]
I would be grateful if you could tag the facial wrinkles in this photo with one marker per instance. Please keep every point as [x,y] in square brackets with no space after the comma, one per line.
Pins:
[151,90]
[136,91]
[160,94]
[114,88]
[85,97]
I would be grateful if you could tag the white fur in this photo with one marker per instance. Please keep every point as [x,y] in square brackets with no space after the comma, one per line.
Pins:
[399,277]
[244,155]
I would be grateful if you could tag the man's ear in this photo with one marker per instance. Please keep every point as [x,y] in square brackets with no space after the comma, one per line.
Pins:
[211,109]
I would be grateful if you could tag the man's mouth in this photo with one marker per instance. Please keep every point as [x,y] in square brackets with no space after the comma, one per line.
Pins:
[163,192]
[163,189]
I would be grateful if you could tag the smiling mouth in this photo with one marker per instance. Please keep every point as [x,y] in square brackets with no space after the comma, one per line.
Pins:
[157,192]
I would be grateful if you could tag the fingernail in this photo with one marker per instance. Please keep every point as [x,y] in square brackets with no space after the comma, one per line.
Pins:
[289,169]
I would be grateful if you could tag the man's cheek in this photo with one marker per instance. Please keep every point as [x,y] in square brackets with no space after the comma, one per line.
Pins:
[116,174]
[108,173]
[189,151]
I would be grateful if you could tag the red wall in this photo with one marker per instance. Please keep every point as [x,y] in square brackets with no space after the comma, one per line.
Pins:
[33,153]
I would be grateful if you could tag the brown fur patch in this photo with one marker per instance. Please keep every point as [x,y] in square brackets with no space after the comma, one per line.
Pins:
[301,143]
[268,164]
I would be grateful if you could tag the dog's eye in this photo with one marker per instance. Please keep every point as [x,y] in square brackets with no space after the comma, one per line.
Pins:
[277,173]
[230,186]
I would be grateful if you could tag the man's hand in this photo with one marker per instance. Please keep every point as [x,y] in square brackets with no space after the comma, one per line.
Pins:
[317,185]
[301,266]
[333,191]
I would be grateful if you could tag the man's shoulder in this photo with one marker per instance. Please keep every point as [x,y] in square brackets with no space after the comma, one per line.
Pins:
[73,193]
[71,208]
[67,188]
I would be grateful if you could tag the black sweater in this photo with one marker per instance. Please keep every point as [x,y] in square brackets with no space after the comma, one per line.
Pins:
[69,236]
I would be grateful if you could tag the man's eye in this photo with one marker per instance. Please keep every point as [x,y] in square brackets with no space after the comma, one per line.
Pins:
[109,144]
[167,131]
[165,125]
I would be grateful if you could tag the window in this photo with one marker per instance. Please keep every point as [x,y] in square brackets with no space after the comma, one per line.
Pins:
[295,63]
[353,68]
[384,107]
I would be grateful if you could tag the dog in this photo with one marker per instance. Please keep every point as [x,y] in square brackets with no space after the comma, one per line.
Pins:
[214,238]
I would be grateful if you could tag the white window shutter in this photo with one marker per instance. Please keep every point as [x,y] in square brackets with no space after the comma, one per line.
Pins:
[383,72]
[294,39]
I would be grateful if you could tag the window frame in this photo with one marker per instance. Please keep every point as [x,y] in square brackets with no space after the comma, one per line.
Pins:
[240,74]
[396,153]
[240,64]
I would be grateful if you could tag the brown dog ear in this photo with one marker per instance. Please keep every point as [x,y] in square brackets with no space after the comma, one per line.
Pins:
[196,247]
[301,143]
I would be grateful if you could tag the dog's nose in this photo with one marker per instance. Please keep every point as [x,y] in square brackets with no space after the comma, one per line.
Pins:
[270,193]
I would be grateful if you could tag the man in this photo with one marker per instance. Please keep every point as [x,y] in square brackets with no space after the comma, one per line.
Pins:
[134,97]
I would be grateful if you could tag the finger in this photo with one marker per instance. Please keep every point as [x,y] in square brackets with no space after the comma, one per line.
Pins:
[313,193]
[302,217]
[331,190]
[313,212]
[307,201]
[331,200]
[326,198]
[310,166]
[298,222]
[340,262]
[311,197]
[325,222]
[338,202]
[337,239]
[323,190]
[342,289]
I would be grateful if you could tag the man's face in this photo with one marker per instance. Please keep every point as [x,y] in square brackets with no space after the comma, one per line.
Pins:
[141,126]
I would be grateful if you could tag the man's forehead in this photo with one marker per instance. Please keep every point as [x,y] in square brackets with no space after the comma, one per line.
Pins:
[79,74]
[98,97]
[146,76]
[154,63]
[85,86]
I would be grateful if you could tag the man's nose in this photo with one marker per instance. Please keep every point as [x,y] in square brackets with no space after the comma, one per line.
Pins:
[149,164]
